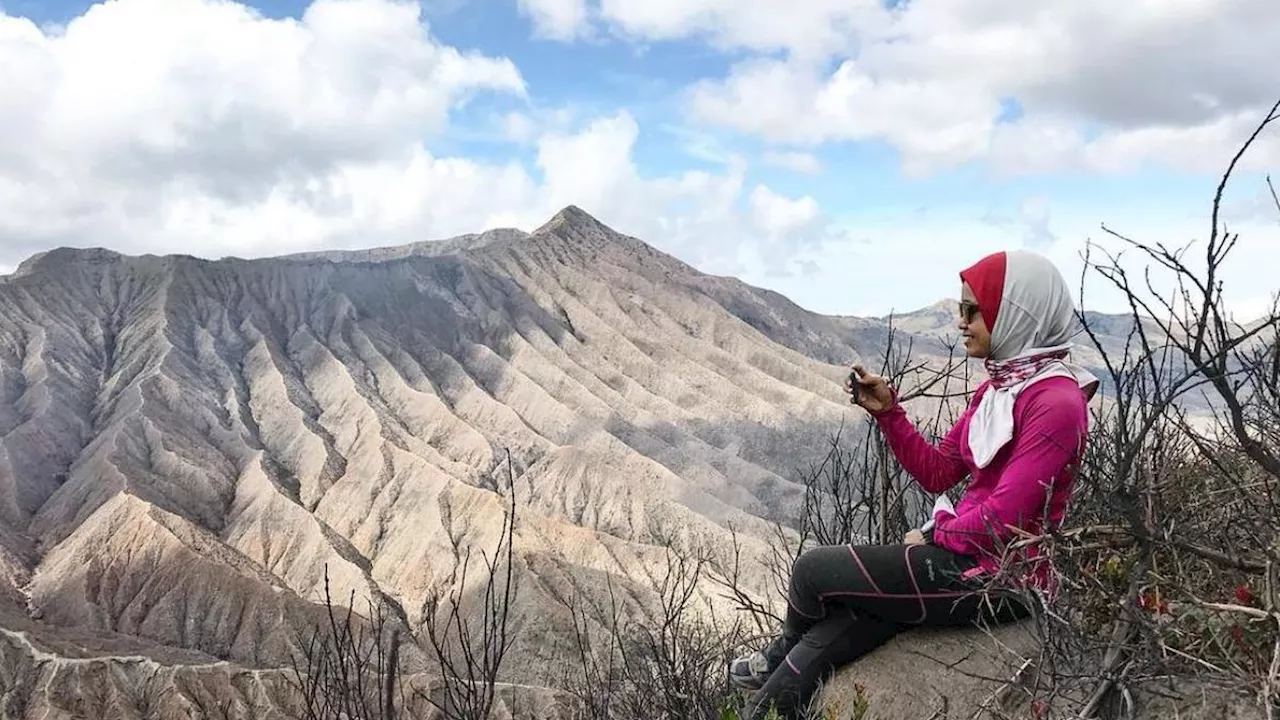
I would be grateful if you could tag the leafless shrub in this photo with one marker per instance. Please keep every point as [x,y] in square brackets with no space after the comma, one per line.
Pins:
[470,645]
[349,669]
[858,493]
[666,662]
[1167,567]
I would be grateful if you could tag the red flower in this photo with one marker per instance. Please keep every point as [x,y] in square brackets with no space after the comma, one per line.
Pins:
[1153,603]
[1245,595]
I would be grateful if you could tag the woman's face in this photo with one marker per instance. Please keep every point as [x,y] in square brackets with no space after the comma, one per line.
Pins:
[976,336]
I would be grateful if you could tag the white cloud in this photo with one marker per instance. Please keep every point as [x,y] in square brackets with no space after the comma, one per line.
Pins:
[592,167]
[801,162]
[1042,145]
[1103,87]
[141,114]
[1036,216]
[783,101]
[694,215]
[778,215]
[1032,220]
[811,29]
[556,19]
[519,127]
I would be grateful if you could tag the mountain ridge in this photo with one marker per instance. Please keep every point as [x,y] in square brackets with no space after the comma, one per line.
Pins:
[185,438]
[572,224]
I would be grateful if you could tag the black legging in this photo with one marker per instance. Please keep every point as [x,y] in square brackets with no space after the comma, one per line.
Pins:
[846,600]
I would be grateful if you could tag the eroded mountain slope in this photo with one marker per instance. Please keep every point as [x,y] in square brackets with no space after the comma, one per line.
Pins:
[186,446]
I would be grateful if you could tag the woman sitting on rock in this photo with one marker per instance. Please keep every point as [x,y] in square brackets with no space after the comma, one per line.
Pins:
[1018,441]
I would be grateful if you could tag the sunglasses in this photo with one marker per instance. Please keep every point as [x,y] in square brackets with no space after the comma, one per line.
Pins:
[968,310]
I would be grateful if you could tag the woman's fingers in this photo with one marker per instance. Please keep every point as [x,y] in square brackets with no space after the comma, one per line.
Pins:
[869,391]
[865,378]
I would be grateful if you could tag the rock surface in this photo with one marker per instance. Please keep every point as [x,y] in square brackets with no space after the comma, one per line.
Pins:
[971,674]
[930,670]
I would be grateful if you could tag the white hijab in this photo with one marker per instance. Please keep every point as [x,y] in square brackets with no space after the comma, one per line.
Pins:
[1036,315]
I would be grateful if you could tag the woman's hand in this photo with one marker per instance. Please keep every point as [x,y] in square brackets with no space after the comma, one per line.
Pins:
[873,392]
[914,537]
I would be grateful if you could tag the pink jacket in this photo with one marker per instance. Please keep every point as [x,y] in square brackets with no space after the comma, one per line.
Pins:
[1027,485]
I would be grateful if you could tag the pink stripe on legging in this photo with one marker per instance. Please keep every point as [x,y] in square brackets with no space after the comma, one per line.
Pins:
[921,596]
[906,557]
[924,596]
[858,560]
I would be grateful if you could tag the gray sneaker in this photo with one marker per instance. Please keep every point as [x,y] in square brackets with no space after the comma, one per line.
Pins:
[751,672]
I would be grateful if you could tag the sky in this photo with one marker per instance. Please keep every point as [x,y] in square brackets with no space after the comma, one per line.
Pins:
[853,155]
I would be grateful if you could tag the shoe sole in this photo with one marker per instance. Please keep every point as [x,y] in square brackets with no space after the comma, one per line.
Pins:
[751,684]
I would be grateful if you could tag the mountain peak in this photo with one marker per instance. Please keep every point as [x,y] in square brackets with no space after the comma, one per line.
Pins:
[572,217]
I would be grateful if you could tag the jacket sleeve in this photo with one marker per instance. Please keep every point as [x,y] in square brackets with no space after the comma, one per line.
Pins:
[936,468]
[1051,432]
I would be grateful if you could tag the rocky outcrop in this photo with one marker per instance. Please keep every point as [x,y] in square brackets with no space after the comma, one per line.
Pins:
[990,674]
[935,672]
